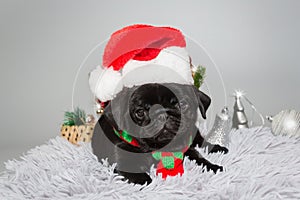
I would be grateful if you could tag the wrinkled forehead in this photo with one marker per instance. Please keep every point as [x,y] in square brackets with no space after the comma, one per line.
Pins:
[152,94]
[160,93]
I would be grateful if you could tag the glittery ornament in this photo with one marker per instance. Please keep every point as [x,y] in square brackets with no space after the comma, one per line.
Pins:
[221,128]
[90,119]
[99,108]
[287,122]
[239,118]
[99,111]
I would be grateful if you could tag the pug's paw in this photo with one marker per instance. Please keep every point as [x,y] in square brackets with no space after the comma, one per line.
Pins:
[217,148]
[136,178]
[215,168]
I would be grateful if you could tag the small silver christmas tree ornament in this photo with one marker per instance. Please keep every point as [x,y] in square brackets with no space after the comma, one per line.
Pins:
[220,130]
[287,122]
[239,118]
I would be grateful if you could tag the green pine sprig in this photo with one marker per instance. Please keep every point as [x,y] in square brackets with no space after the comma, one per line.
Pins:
[77,117]
[199,76]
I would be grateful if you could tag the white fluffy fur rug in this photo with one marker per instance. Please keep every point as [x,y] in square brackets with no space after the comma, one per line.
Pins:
[258,166]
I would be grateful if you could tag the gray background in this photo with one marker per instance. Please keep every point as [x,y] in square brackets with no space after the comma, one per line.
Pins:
[255,44]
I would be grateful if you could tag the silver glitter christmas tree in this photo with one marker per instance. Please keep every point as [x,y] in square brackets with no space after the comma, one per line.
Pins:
[239,118]
[220,130]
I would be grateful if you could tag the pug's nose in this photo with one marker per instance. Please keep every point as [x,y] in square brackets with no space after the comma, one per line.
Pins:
[158,112]
[162,117]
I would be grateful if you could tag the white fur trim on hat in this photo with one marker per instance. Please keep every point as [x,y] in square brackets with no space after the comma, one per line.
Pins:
[172,65]
[176,59]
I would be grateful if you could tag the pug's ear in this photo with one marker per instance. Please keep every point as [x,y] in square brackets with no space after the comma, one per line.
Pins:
[203,102]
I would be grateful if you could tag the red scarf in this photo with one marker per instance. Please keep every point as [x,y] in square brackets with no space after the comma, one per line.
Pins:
[170,163]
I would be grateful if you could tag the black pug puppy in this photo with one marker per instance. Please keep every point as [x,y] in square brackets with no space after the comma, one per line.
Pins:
[155,117]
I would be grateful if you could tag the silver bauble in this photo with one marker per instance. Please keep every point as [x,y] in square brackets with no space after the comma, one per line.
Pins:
[287,122]
[220,130]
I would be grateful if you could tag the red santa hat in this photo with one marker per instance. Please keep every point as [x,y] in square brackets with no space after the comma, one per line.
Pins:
[140,54]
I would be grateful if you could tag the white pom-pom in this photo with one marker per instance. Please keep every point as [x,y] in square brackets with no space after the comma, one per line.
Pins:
[105,83]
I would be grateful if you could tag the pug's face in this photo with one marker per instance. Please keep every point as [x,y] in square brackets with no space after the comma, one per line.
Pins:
[158,114]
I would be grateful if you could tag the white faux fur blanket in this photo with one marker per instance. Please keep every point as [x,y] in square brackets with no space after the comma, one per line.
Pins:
[258,166]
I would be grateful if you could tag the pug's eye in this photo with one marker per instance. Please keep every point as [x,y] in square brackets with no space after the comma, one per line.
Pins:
[147,106]
[173,101]
[183,105]
[140,114]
